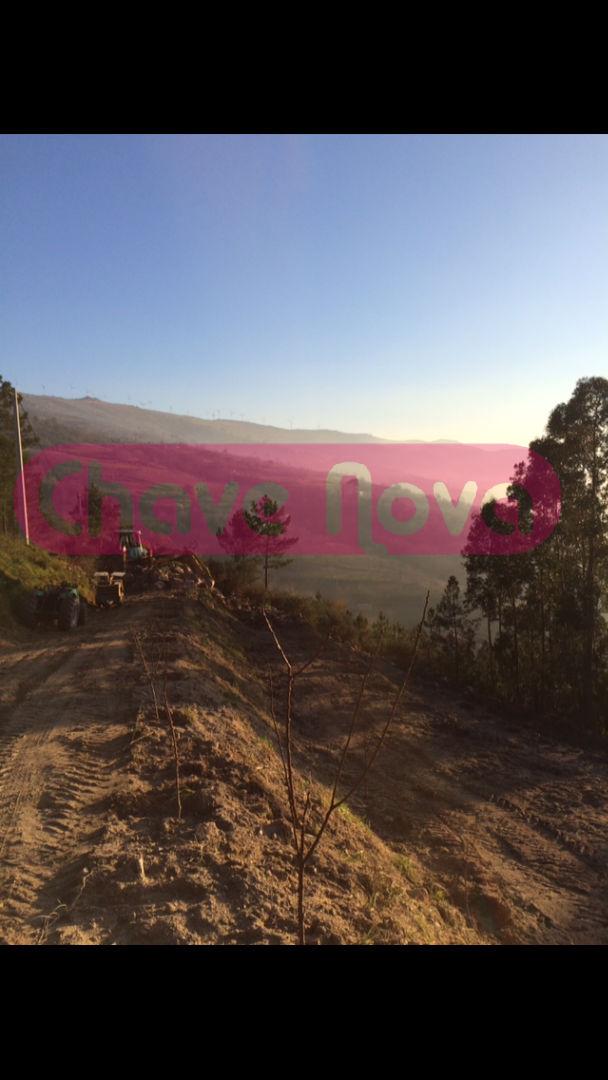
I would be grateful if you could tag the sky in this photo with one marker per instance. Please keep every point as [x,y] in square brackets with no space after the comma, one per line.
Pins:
[412,287]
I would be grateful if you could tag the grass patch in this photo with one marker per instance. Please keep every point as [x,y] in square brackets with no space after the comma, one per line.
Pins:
[24,567]
[405,865]
[350,815]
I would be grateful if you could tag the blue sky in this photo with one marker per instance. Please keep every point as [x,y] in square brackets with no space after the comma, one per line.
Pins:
[413,287]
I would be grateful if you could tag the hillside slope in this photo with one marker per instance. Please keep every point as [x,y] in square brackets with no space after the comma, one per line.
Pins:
[91,846]
[368,584]
[466,832]
[24,567]
[57,420]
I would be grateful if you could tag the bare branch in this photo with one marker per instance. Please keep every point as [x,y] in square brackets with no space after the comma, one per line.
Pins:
[276,641]
[175,752]
[151,675]
[299,820]
[391,715]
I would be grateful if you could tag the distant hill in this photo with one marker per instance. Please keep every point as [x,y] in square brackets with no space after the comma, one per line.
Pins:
[367,583]
[57,420]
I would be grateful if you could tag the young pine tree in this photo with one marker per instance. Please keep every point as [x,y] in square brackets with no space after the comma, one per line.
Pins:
[259,533]
[451,629]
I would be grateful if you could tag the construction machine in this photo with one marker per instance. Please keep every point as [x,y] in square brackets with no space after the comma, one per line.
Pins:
[131,547]
[60,605]
[109,588]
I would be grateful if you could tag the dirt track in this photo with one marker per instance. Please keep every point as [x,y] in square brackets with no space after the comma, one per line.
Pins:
[505,829]
[64,710]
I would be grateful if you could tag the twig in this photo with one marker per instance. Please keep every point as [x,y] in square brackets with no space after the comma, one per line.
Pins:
[175,753]
[299,818]
[150,676]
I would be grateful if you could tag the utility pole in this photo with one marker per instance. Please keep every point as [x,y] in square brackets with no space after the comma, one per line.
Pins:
[20,467]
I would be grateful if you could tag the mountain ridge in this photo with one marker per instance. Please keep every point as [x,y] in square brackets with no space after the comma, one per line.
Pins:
[89,419]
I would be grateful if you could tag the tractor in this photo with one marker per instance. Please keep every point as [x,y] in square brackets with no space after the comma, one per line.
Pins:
[135,559]
[132,548]
[109,588]
[56,604]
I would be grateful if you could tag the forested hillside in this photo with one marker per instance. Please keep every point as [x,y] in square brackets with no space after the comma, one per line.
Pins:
[543,614]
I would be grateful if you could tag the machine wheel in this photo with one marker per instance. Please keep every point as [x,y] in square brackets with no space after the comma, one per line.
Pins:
[69,611]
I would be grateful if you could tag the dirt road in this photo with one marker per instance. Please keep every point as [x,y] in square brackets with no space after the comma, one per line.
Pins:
[500,830]
[65,704]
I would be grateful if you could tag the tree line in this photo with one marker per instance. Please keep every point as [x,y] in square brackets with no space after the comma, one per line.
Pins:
[527,631]
[530,629]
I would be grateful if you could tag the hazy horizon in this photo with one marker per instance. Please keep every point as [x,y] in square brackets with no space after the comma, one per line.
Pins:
[228,419]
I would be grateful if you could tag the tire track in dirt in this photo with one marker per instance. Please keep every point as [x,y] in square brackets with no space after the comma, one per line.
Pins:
[60,743]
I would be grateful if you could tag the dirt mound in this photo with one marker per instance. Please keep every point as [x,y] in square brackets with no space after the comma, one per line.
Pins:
[223,872]
[142,798]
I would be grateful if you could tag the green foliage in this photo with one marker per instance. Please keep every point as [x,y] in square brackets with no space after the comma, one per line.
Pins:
[8,453]
[451,630]
[546,647]
[405,865]
[237,575]
[531,629]
[257,536]
[24,567]
[95,509]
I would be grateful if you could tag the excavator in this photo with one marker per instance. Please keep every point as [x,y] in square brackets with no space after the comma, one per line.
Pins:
[135,560]
[132,548]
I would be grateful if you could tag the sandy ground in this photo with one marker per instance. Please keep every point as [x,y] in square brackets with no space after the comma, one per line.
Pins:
[65,703]
[511,824]
[469,830]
